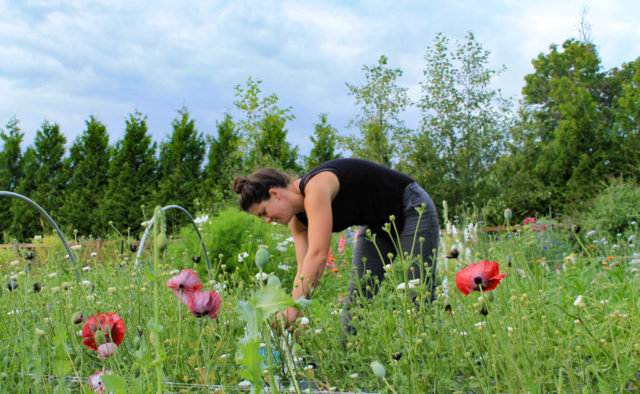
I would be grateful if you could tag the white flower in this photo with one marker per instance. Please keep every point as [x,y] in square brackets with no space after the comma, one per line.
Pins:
[634,262]
[242,256]
[244,384]
[14,312]
[353,376]
[414,282]
[14,263]
[590,233]
[289,239]
[284,267]
[387,267]
[226,355]
[318,331]
[146,223]
[633,223]
[86,283]
[402,286]
[304,321]
[578,301]
[37,237]
[631,237]
[262,276]
[94,254]
[174,272]
[76,247]
[219,286]
[52,275]
[201,219]
[281,247]
[86,268]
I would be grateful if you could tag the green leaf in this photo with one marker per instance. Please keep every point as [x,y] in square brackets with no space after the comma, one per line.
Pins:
[149,273]
[114,383]
[61,363]
[251,359]
[304,302]
[270,300]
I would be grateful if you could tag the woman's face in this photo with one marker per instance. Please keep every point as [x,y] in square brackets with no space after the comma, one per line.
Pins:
[275,209]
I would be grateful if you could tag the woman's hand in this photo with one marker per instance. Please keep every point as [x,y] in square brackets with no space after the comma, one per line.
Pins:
[286,317]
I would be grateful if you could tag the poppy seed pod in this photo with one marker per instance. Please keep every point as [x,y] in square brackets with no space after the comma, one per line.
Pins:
[262,258]
[162,241]
[77,317]
[508,214]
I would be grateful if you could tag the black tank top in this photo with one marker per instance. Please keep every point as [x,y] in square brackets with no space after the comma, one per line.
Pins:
[369,193]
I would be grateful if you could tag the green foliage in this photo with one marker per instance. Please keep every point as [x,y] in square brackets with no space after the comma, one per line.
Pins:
[11,168]
[257,110]
[232,238]
[44,181]
[272,148]
[132,177]
[382,102]
[464,124]
[613,210]
[324,140]
[89,158]
[224,161]
[180,164]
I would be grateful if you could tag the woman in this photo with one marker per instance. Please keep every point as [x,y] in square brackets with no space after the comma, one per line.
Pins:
[333,196]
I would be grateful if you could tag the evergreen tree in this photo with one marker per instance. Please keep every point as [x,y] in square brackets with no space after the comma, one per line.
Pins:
[88,165]
[382,101]
[272,148]
[132,178]
[180,164]
[224,161]
[11,171]
[324,141]
[44,181]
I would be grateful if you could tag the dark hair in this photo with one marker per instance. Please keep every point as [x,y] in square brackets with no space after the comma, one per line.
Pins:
[255,187]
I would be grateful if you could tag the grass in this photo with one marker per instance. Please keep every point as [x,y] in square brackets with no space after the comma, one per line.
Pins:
[564,318]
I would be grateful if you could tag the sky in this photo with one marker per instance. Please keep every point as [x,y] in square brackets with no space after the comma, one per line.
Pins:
[64,61]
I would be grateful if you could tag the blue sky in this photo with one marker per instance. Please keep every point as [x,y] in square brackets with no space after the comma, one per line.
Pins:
[63,61]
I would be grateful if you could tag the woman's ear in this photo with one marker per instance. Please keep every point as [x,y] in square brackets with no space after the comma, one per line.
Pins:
[275,193]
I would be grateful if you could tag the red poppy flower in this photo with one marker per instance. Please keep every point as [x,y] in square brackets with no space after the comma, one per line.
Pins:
[95,381]
[204,303]
[185,282]
[483,275]
[111,325]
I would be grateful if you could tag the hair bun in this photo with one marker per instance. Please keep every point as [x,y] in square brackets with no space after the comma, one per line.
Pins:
[239,183]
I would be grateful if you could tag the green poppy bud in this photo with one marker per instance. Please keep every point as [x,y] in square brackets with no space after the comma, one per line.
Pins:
[262,258]
[162,242]
[99,337]
[77,317]
[378,369]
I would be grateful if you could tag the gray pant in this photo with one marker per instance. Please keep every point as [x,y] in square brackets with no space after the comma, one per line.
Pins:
[367,267]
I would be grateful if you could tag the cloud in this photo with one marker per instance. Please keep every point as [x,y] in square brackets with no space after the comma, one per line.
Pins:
[63,61]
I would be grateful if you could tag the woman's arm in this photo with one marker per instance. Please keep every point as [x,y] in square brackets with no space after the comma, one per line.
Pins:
[319,193]
[300,241]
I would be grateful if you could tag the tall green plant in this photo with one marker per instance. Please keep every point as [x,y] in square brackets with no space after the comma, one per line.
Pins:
[464,122]
[382,101]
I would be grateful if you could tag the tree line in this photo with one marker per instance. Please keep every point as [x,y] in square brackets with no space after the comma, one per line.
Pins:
[576,126]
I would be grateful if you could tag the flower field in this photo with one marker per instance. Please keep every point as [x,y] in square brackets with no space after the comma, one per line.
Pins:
[538,307]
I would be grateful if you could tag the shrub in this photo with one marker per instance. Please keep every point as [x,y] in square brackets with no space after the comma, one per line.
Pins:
[613,210]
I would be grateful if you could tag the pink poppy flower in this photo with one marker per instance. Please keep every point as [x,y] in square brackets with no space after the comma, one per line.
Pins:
[95,381]
[185,282]
[103,328]
[107,349]
[481,276]
[204,303]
